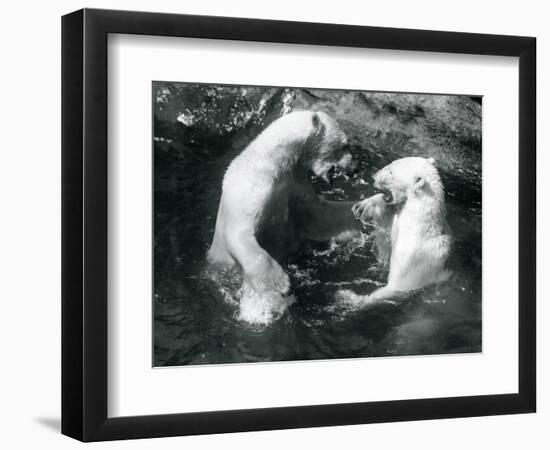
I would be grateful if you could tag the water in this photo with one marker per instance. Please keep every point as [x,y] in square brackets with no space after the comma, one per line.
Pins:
[196,320]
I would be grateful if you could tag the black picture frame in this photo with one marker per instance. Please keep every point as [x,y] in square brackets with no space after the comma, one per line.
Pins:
[84,224]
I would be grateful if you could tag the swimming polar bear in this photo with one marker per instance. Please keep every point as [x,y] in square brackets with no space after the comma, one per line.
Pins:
[268,207]
[412,234]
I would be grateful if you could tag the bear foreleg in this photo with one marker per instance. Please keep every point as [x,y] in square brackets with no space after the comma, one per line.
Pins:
[259,269]
[376,212]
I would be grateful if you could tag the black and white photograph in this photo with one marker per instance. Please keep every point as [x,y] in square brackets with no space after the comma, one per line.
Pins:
[295,223]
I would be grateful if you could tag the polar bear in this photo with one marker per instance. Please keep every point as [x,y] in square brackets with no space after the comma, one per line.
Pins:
[268,206]
[412,234]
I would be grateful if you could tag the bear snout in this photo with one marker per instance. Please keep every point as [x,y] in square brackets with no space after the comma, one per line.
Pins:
[377,180]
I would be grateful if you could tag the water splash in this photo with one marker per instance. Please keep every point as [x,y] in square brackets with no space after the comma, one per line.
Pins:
[261,308]
[251,307]
[338,251]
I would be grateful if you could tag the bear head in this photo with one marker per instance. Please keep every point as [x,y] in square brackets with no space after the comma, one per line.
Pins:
[326,148]
[407,178]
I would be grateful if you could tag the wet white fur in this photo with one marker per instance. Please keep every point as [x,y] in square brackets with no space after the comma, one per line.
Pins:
[412,235]
[259,189]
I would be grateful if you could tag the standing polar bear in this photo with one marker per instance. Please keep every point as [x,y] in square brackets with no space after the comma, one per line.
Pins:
[412,234]
[268,206]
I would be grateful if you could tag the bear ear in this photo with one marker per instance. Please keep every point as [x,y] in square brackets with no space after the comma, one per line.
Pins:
[419,183]
[431,160]
[317,124]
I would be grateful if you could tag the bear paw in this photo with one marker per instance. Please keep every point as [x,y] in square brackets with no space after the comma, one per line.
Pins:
[269,277]
[276,280]
[370,208]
